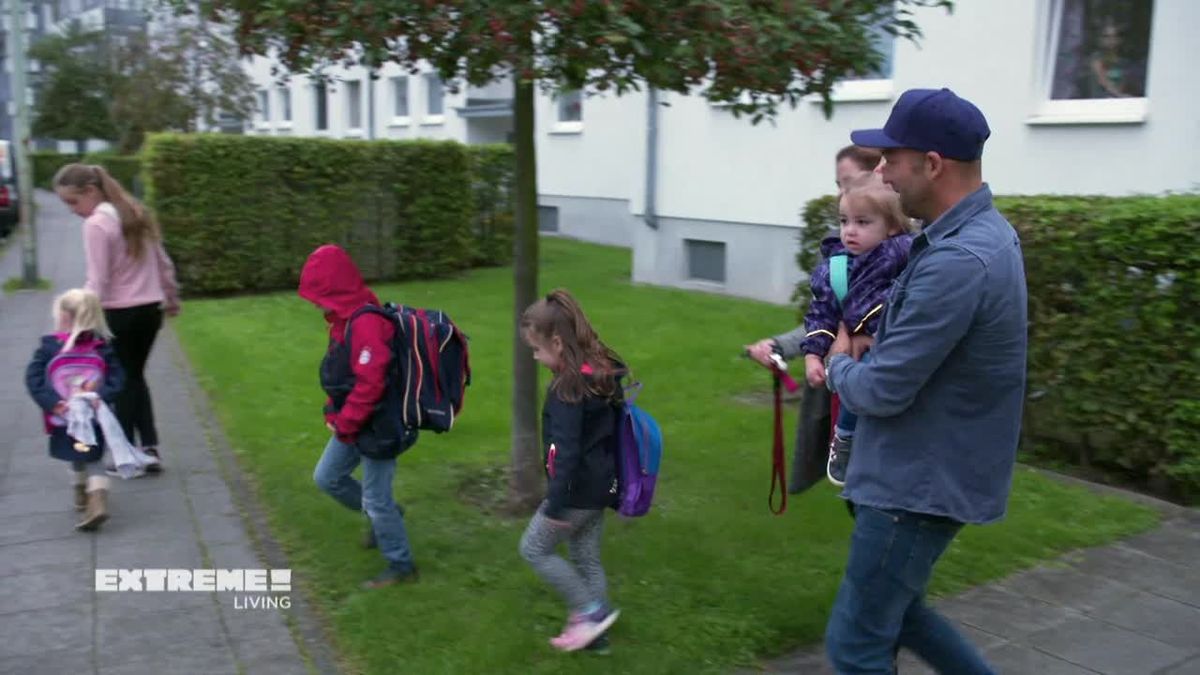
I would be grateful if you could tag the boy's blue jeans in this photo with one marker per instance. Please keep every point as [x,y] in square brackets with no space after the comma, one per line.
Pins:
[880,605]
[373,495]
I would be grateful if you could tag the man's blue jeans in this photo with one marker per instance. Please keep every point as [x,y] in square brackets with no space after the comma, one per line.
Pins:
[373,495]
[880,605]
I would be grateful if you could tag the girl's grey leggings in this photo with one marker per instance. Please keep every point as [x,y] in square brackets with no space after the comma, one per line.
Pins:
[580,581]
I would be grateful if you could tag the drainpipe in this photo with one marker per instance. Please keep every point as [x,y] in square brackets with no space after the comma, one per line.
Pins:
[651,207]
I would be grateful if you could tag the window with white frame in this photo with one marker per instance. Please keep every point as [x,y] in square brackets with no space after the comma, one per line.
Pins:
[320,107]
[285,104]
[264,107]
[435,96]
[1102,50]
[354,104]
[568,112]
[884,44]
[400,97]
[875,84]
[570,106]
[1095,61]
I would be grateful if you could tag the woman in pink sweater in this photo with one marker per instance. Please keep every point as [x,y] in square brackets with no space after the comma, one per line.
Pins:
[135,279]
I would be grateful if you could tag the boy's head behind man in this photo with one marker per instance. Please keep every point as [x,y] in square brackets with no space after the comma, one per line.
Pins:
[853,162]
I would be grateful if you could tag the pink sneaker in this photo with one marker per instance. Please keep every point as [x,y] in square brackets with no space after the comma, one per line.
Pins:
[582,630]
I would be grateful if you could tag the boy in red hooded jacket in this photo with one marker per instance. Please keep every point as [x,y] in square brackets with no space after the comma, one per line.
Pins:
[355,374]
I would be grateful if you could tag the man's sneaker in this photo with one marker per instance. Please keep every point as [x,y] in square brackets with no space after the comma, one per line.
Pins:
[839,459]
[155,463]
[583,630]
[391,577]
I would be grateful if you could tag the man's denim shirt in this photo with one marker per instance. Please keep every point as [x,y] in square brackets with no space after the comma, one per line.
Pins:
[940,398]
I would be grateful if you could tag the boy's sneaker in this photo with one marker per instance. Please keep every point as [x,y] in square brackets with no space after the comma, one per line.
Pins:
[839,459]
[390,577]
[583,629]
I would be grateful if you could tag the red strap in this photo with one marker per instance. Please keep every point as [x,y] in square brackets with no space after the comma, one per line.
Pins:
[835,404]
[778,472]
[431,348]
[466,366]
[787,380]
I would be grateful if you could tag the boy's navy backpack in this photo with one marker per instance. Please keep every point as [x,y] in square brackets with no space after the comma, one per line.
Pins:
[430,366]
[639,452]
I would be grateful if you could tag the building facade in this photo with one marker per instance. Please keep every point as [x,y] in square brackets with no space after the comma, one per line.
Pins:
[1082,96]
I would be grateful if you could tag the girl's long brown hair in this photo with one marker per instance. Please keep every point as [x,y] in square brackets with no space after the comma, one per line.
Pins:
[560,314]
[138,226]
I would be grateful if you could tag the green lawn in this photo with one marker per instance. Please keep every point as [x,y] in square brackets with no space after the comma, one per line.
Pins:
[708,580]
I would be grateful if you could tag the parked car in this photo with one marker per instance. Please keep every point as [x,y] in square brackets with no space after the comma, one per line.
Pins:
[8,190]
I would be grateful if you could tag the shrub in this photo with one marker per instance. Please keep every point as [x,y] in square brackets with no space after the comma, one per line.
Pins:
[242,213]
[47,163]
[820,218]
[1114,345]
[126,169]
[493,170]
[1114,350]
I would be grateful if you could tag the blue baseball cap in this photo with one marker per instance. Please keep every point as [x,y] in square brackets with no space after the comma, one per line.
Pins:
[931,120]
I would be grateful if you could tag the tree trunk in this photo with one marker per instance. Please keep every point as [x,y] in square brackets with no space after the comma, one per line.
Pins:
[80,146]
[525,484]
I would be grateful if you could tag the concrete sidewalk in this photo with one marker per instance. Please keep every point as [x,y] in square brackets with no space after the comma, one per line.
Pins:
[51,618]
[1130,608]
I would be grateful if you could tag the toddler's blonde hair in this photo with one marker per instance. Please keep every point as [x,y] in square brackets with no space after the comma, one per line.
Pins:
[81,311]
[881,199]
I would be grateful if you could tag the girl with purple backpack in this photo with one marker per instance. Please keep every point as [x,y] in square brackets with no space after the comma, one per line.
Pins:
[579,444]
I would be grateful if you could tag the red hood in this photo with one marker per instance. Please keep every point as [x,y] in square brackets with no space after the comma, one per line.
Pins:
[331,279]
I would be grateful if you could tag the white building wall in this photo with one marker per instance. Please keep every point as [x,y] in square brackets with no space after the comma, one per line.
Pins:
[723,179]
[593,171]
[755,179]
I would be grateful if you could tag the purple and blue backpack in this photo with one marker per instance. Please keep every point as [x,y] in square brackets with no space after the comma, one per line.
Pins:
[639,453]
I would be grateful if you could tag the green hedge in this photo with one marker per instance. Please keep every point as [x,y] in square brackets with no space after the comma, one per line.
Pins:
[241,213]
[493,171]
[1114,350]
[47,163]
[820,219]
[125,168]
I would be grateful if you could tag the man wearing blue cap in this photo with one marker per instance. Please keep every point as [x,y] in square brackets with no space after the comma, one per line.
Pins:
[940,401]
